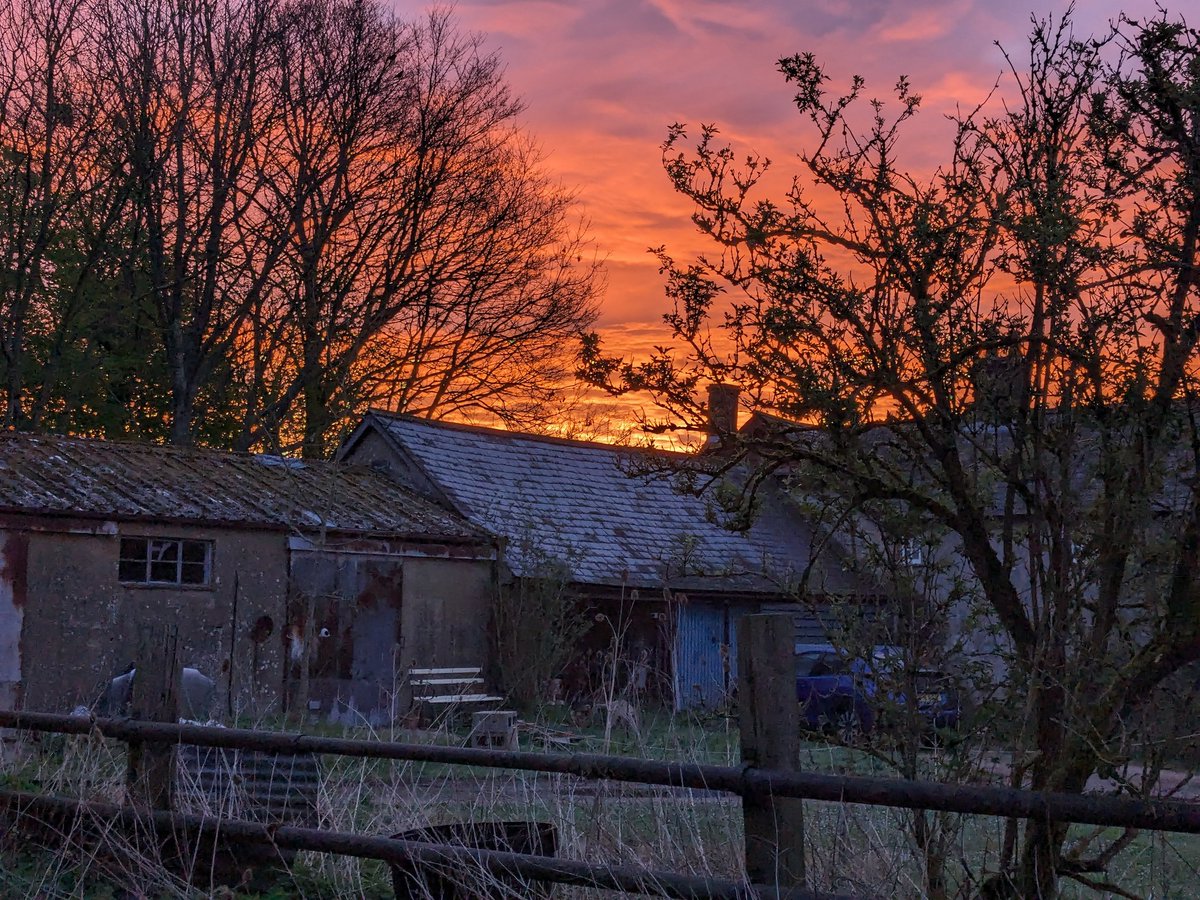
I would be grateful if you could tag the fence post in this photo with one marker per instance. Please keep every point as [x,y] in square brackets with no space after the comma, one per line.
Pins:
[155,698]
[768,714]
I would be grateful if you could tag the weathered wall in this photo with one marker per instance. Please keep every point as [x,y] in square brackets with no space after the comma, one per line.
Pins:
[446,613]
[364,618]
[372,449]
[644,633]
[14,567]
[68,625]
[344,613]
[81,623]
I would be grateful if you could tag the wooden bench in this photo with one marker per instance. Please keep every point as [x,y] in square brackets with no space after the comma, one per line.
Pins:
[438,694]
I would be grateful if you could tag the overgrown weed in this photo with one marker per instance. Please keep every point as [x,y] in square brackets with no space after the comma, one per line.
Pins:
[851,849]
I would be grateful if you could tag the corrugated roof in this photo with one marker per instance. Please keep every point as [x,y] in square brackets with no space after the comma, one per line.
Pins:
[118,480]
[578,502]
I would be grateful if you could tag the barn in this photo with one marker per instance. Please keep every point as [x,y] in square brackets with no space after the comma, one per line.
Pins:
[661,577]
[298,586]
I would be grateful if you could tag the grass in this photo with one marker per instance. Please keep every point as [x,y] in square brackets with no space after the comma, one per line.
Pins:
[852,849]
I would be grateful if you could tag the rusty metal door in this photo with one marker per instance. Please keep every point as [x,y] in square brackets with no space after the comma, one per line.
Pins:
[344,625]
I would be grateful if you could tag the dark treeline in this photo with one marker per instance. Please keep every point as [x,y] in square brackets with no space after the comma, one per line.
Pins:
[239,222]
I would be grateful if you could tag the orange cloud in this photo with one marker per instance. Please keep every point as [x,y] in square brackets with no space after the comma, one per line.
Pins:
[603,79]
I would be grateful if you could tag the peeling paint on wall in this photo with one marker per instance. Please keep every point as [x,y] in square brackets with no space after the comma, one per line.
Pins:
[14,587]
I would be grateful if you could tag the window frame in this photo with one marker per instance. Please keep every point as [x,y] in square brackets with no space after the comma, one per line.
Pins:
[150,554]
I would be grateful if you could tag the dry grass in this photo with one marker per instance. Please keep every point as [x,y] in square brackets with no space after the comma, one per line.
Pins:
[852,849]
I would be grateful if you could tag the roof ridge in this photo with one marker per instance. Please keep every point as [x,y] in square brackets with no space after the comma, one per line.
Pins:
[488,431]
[142,446]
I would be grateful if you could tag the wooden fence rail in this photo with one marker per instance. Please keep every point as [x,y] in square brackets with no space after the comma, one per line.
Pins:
[991,800]
[64,813]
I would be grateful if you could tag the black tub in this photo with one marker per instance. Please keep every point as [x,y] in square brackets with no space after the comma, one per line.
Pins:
[456,881]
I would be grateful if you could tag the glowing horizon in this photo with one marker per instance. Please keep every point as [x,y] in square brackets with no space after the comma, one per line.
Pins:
[602,82]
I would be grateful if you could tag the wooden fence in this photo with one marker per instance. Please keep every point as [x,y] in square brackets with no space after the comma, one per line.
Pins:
[771,793]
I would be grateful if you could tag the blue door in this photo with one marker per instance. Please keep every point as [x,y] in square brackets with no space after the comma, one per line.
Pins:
[701,656]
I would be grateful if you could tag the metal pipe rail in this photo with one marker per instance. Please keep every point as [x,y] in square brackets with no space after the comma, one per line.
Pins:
[1127,812]
[288,837]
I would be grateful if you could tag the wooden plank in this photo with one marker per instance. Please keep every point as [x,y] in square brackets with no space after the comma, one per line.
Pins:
[769,720]
[155,698]
[458,698]
[426,673]
[431,682]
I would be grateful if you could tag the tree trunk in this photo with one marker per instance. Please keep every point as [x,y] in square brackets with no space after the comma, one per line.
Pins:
[316,418]
[183,409]
[1063,764]
[1037,875]
[932,854]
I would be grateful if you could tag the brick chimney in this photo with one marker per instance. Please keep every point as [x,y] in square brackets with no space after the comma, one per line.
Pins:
[722,409]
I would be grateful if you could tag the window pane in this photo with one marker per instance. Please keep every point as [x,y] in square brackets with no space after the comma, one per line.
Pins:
[192,573]
[133,549]
[164,551]
[164,561]
[132,562]
[195,552]
[132,570]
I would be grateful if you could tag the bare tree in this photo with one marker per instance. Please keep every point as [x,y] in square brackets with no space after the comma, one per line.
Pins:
[335,181]
[246,219]
[429,266]
[189,114]
[495,340]
[55,209]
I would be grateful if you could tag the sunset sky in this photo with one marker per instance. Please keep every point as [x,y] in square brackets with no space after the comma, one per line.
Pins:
[602,80]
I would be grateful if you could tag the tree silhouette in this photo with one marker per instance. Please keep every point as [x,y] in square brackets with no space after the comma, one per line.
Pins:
[1002,356]
[239,222]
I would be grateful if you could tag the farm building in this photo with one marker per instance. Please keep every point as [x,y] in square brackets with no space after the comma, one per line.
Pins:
[293,584]
[659,575]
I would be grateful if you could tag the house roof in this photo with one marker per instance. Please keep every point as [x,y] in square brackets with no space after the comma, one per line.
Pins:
[119,480]
[592,506]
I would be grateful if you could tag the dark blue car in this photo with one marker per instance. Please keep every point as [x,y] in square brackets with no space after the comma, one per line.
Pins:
[839,694]
[835,692]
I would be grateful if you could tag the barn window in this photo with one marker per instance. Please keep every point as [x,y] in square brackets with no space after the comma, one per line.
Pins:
[146,560]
